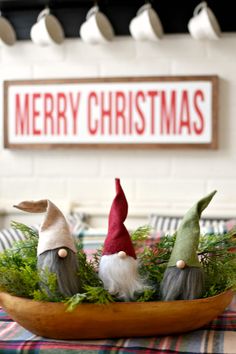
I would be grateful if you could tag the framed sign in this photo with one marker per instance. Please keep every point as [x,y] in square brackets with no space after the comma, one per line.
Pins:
[115,112]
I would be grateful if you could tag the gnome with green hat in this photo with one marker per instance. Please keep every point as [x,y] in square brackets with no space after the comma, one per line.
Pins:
[184,277]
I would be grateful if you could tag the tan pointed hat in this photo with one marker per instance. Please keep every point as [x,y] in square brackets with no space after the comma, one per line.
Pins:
[54,231]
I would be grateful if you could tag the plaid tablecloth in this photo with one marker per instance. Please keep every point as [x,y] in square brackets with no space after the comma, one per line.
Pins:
[218,337]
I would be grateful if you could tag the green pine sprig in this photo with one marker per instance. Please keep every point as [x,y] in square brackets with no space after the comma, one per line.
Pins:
[147,295]
[87,272]
[140,234]
[92,294]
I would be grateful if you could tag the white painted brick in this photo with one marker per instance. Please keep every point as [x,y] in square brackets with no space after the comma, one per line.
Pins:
[67,163]
[26,51]
[206,66]
[227,110]
[18,189]
[15,164]
[226,190]
[138,67]
[1,133]
[120,47]
[203,165]
[171,179]
[224,48]
[169,190]
[171,46]
[97,190]
[135,164]
[15,72]
[65,70]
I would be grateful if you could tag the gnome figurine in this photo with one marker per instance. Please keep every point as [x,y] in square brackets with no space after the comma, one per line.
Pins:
[118,268]
[184,277]
[56,248]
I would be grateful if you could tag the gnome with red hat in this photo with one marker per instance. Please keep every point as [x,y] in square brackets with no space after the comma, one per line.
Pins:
[118,268]
[56,248]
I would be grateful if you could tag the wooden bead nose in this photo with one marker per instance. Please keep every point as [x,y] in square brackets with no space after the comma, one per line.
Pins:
[180,264]
[122,254]
[62,253]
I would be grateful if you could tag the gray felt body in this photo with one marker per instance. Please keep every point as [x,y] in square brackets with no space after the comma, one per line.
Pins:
[66,270]
[182,284]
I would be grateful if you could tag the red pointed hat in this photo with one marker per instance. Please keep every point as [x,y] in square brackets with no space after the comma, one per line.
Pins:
[118,238]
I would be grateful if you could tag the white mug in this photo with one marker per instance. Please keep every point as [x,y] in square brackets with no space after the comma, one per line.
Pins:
[47,30]
[7,32]
[203,24]
[97,28]
[146,25]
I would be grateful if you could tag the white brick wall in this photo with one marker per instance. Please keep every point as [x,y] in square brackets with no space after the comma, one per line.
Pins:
[154,180]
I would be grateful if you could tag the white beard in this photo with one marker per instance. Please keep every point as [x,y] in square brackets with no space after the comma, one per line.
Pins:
[120,276]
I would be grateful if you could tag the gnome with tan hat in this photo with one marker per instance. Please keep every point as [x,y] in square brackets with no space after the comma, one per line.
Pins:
[56,248]
[184,276]
[118,268]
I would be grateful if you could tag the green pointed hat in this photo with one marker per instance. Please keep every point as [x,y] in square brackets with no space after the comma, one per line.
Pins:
[187,238]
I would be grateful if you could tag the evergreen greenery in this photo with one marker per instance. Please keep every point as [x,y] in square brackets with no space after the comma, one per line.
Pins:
[19,275]
[140,234]
[95,295]
[18,272]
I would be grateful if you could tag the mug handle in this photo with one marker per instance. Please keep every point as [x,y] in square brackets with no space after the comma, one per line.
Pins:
[92,11]
[144,8]
[199,7]
[43,13]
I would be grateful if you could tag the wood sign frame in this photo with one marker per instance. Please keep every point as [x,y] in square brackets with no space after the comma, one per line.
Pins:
[140,112]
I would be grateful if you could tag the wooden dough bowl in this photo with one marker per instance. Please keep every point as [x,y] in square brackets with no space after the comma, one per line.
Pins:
[133,319]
